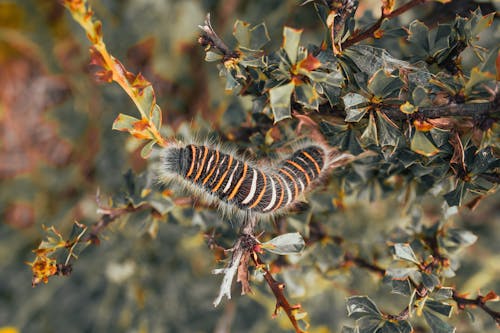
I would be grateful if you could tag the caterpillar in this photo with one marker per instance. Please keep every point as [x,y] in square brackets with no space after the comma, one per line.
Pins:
[238,185]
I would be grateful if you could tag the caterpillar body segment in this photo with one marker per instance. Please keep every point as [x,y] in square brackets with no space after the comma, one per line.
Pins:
[238,185]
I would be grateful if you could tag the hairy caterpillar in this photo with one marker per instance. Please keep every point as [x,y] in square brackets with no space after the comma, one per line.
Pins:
[239,186]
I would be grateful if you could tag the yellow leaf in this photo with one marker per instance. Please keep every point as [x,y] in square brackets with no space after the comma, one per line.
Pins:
[408,108]
[423,146]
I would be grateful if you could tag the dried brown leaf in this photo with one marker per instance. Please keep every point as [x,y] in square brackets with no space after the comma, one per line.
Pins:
[242,276]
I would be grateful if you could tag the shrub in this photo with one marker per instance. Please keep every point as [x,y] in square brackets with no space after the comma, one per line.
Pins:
[414,110]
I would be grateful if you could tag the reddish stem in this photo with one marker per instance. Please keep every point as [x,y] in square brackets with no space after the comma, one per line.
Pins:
[277,289]
[479,301]
[368,33]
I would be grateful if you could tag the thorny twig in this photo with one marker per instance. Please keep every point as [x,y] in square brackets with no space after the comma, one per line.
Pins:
[277,288]
[244,249]
[368,33]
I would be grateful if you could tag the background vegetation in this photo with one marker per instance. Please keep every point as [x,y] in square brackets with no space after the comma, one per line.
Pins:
[60,162]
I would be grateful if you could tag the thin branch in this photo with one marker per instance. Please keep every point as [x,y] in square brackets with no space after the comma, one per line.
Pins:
[487,110]
[277,288]
[479,301]
[108,216]
[209,39]
[362,263]
[368,33]
[451,110]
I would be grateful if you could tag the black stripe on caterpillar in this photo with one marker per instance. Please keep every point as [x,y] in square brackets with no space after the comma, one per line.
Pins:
[239,186]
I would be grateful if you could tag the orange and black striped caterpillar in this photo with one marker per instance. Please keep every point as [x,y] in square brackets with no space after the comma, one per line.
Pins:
[240,186]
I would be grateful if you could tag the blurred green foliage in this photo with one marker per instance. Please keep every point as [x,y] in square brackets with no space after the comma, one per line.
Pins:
[153,274]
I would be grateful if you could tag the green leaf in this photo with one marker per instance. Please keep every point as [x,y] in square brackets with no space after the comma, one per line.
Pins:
[250,38]
[395,327]
[335,79]
[356,106]
[369,59]
[430,281]
[349,142]
[420,96]
[439,136]
[231,82]
[454,197]
[353,100]
[347,329]
[361,306]
[306,95]
[146,100]
[342,136]
[355,115]
[161,204]
[461,237]
[408,108]
[280,99]
[489,65]
[441,308]
[441,39]
[478,22]
[124,123]
[259,36]
[382,84]
[241,31]
[422,145]
[443,293]
[211,56]
[388,134]
[291,243]
[477,77]
[332,93]
[401,287]
[404,326]
[418,35]
[156,116]
[484,159]
[370,135]
[252,59]
[405,252]
[291,39]
[369,324]
[400,273]
[147,149]
[437,324]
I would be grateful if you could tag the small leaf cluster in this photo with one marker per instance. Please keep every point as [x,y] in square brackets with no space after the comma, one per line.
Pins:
[419,275]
